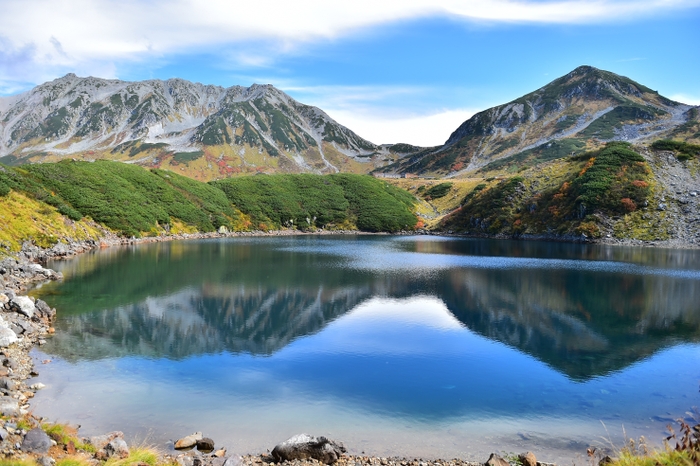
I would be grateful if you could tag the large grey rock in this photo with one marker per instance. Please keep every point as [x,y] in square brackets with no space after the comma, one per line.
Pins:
[117,447]
[61,249]
[7,337]
[7,383]
[304,446]
[9,406]
[44,309]
[23,305]
[100,441]
[36,441]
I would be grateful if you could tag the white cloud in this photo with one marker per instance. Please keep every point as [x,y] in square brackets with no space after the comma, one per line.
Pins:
[686,99]
[420,130]
[65,33]
[378,113]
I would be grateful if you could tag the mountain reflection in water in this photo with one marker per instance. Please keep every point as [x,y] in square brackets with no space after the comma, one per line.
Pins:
[583,310]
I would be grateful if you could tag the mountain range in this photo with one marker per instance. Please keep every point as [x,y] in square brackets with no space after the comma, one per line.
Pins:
[202,131]
[210,132]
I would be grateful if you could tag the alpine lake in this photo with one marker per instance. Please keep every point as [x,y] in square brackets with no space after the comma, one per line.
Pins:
[416,346]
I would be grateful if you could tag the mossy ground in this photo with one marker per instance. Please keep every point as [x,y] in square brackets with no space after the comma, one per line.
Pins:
[24,218]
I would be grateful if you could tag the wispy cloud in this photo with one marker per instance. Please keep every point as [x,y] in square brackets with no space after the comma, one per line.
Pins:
[87,33]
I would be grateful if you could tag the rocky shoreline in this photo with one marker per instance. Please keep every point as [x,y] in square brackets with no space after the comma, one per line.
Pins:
[26,322]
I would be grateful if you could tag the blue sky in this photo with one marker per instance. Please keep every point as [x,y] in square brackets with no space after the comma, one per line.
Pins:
[407,71]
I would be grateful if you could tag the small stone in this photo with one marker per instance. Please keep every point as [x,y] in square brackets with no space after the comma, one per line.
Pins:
[188,442]
[45,461]
[233,461]
[220,453]
[37,386]
[527,459]
[495,460]
[3,434]
[36,441]
[70,448]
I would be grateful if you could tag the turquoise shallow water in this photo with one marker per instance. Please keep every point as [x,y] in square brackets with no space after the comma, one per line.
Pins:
[420,346]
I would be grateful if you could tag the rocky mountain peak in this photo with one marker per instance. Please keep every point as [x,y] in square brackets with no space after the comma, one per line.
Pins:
[200,130]
[580,110]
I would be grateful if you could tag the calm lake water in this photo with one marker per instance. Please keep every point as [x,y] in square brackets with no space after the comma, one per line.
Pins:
[416,346]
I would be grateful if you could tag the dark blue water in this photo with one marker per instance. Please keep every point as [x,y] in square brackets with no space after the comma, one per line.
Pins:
[417,346]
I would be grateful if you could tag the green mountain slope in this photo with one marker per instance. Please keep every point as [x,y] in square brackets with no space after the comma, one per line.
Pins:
[612,191]
[132,201]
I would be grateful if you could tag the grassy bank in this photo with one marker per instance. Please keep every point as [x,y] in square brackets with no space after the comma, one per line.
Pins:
[70,199]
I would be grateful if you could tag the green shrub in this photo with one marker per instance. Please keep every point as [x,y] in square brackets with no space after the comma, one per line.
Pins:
[438,191]
[682,150]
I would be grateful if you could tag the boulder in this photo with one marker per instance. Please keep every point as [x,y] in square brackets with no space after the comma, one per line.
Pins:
[44,309]
[117,448]
[7,383]
[23,305]
[61,249]
[527,459]
[101,441]
[304,446]
[36,441]
[188,442]
[495,460]
[7,337]
[205,445]
[9,406]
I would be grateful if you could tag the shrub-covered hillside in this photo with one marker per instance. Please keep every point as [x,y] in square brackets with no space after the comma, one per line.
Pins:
[133,201]
[574,196]
[314,201]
